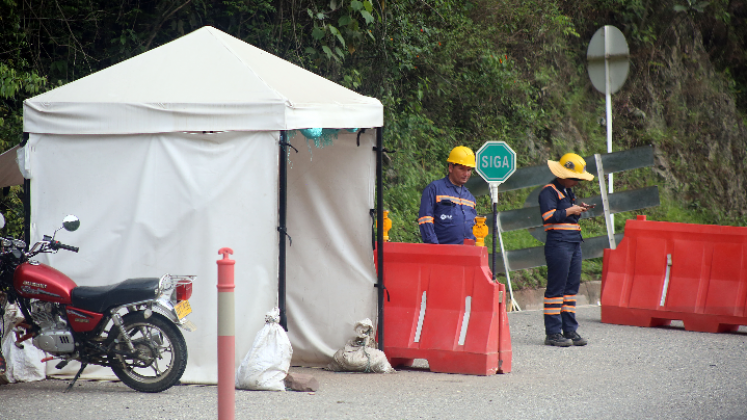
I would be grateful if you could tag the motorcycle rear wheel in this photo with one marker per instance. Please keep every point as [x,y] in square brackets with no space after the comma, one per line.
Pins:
[162,353]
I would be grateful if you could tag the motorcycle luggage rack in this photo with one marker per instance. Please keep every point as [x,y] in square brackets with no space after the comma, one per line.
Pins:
[181,282]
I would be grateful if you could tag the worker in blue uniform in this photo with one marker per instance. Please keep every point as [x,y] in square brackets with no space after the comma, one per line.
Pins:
[447,208]
[560,215]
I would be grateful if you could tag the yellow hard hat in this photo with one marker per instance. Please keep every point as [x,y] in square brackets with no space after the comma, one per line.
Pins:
[463,156]
[570,165]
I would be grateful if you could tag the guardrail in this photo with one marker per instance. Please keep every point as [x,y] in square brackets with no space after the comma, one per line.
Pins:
[529,216]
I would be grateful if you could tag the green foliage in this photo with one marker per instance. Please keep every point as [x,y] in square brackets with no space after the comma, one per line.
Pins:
[12,209]
[11,82]
[691,6]
[456,72]
[18,80]
[15,84]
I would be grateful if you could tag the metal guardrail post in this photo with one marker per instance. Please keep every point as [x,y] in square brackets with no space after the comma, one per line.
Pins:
[605,202]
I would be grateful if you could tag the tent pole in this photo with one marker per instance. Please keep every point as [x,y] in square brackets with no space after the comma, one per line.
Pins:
[282,212]
[26,200]
[380,234]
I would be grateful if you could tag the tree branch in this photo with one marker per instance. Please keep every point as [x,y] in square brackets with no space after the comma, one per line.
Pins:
[163,20]
[439,14]
[75,40]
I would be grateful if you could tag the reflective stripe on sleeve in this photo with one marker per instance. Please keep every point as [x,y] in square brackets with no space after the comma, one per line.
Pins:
[455,200]
[562,226]
[425,219]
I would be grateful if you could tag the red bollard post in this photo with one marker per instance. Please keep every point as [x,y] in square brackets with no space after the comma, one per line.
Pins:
[226,338]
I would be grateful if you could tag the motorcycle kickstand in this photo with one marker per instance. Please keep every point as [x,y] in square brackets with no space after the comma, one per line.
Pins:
[77,375]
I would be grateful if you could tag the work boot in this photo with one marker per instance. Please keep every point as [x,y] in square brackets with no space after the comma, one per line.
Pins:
[575,338]
[557,340]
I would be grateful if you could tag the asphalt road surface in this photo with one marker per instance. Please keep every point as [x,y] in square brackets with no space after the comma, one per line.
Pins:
[624,373]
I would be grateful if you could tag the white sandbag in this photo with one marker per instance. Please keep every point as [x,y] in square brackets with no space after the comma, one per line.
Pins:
[22,364]
[265,367]
[360,353]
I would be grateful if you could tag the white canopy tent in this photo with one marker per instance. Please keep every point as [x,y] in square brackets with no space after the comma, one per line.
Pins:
[204,81]
[173,154]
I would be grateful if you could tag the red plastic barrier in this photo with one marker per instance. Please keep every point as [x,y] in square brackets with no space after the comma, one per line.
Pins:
[675,271]
[442,305]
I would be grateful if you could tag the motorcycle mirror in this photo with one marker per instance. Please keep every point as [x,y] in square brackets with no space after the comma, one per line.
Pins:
[2,221]
[70,223]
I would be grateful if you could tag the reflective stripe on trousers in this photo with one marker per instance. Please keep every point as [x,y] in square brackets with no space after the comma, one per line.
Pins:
[563,281]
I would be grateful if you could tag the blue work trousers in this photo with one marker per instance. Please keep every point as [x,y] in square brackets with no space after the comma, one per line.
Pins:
[563,280]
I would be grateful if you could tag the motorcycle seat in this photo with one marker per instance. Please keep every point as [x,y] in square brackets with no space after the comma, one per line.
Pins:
[102,298]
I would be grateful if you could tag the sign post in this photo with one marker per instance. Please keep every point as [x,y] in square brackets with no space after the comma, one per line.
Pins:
[609,61]
[496,162]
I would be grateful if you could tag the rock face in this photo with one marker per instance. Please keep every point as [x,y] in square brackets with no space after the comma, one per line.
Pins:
[674,98]
[677,101]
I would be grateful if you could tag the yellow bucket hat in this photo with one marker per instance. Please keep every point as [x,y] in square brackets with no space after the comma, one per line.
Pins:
[570,166]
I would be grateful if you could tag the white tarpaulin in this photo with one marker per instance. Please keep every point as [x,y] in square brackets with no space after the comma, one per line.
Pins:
[165,203]
[331,274]
[115,149]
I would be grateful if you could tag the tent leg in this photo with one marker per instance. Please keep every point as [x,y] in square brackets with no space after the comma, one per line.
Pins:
[380,234]
[282,213]
[26,200]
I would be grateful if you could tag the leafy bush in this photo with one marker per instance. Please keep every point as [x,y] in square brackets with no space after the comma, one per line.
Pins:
[457,72]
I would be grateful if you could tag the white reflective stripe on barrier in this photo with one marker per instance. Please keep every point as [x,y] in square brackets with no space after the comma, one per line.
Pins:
[420,319]
[465,319]
[665,288]
[226,314]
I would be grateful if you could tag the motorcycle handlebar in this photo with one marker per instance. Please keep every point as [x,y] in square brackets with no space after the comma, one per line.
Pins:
[58,245]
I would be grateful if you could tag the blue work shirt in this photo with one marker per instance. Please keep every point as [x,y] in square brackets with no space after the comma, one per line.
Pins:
[447,213]
[554,199]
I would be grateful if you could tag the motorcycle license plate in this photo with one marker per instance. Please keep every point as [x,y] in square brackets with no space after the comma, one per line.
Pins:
[183,309]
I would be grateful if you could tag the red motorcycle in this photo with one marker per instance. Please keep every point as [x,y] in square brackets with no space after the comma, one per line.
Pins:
[130,327]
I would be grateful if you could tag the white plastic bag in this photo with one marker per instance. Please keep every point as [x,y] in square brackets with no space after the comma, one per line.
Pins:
[359,353]
[22,364]
[265,367]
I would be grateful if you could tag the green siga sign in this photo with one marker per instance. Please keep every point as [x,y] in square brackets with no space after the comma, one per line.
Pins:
[496,161]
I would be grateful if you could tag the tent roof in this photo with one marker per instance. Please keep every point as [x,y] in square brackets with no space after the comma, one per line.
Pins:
[204,81]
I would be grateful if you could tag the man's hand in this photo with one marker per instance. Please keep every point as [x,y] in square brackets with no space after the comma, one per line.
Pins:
[575,210]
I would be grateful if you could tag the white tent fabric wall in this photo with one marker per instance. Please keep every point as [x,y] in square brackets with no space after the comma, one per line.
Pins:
[165,203]
[330,270]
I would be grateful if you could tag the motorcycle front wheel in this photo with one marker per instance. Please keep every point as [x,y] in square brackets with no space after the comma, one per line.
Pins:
[160,353]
